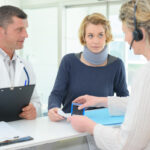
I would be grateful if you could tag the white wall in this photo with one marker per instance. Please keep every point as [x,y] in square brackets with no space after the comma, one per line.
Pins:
[49,3]
[10,2]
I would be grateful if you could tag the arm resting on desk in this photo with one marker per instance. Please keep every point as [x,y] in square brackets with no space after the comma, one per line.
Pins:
[117,105]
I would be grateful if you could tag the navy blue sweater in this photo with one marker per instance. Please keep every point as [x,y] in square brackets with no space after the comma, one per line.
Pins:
[75,79]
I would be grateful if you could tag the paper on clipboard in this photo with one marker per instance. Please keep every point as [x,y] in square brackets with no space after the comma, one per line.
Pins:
[7,132]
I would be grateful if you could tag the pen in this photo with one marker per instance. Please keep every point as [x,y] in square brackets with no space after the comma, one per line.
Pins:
[25,82]
[10,140]
[16,140]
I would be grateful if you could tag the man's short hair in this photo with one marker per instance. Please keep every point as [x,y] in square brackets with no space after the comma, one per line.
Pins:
[7,12]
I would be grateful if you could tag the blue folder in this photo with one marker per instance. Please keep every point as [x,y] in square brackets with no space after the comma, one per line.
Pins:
[103,117]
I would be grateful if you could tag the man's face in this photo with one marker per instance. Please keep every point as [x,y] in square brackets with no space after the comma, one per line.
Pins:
[15,34]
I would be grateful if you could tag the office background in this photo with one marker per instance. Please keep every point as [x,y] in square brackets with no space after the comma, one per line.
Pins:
[53,32]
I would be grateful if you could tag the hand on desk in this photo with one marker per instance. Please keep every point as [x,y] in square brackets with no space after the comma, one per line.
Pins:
[28,112]
[91,101]
[53,114]
[82,123]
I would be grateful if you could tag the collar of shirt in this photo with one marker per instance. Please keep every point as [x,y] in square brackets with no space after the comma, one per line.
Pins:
[6,57]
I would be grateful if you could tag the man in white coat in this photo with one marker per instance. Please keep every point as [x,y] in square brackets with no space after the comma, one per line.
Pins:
[15,71]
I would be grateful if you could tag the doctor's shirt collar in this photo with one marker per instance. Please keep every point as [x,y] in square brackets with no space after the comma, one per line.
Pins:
[6,57]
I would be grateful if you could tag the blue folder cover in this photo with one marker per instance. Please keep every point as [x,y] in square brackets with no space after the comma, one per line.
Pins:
[102,116]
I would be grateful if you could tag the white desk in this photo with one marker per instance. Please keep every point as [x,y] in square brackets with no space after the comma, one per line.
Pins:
[43,131]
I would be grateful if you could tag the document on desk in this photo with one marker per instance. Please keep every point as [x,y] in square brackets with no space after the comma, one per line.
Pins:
[9,135]
[102,116]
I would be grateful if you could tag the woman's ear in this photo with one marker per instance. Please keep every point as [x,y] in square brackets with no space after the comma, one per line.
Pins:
[84,41]
[144,34]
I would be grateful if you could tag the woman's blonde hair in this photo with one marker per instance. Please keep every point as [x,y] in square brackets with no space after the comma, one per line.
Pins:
[96,19]
[142,15]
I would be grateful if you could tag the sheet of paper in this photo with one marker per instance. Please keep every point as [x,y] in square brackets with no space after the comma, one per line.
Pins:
[102,116]
[7,132]
[66,115]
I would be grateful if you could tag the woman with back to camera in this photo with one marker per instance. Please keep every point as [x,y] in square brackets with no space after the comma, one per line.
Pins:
[92,71]
[134,133]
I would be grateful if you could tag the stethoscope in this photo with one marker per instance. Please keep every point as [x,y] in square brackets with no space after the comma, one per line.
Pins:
[27,82]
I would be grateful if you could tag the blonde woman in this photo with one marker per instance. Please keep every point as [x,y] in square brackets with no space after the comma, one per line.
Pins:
[134,133]
[93,71]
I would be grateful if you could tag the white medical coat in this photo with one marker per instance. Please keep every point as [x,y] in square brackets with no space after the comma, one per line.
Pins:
[19,79]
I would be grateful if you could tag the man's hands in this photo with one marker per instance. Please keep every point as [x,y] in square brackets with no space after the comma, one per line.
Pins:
[28,112]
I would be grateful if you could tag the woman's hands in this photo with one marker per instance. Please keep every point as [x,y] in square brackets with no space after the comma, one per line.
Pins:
[53,114]
[82,123]
[86,101]
[91,101]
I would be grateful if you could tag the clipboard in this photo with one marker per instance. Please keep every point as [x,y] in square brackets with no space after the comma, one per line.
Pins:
[12,100]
